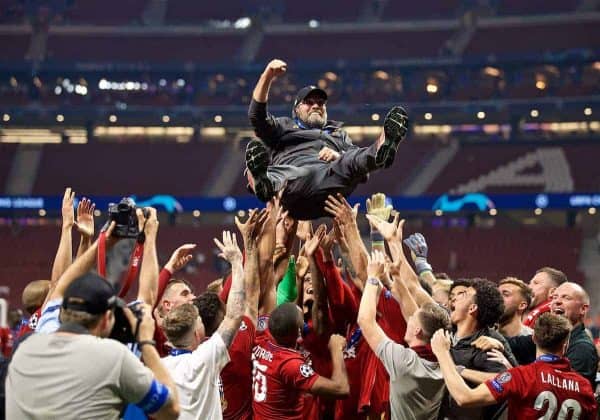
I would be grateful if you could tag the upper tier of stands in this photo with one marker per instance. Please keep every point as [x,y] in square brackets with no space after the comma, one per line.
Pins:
[473,161]
[534,37]
[332,46]
[144,48]
[123,169]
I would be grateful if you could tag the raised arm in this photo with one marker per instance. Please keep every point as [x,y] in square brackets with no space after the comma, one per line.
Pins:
[80,266]
[376,207]
[64,253]
[179,258]
[367,312]
[338,385]
[320,312]
[249,232]
[405,299]
[236,304]
[148,290]
[392,233]
[151,358]
[419,249]
[460,391]
[345,218]
[265,126]
[85,224]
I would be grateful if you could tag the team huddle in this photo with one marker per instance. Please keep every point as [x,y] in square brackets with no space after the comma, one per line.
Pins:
[313,322]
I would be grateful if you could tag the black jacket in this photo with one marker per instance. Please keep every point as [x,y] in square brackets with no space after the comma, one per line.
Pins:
[290,143]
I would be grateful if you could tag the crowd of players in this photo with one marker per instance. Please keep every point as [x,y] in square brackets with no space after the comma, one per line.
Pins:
[309,324]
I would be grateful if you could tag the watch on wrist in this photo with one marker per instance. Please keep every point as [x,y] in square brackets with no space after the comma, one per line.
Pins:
[373,281]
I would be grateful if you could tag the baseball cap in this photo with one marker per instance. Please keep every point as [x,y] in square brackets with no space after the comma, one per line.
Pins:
[307,90]
[92,294]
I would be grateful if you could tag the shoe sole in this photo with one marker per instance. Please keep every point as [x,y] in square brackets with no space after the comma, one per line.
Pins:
[395,127]
[257,162]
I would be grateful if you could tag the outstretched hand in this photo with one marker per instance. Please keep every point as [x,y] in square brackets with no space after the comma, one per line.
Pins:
[230,251]
[85,218]
[312,243]
[340,209]
[417,244]
[376,265]
[180,257]
[390,231]
[252,228]
[67,208]
[376,207]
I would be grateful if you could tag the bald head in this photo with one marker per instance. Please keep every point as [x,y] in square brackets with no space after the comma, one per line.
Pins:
[571,301]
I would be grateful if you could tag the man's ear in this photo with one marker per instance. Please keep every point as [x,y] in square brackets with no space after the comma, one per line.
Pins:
[523,306]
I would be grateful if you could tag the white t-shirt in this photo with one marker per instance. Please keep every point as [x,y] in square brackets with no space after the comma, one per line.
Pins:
[197,376]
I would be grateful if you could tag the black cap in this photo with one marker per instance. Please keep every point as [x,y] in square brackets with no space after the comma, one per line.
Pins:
[307,90]
[92,294]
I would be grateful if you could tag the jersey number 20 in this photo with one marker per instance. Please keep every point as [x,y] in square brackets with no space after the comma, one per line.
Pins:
[565,407]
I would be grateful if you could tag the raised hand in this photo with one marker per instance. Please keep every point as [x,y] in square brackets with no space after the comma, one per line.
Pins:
[327,243]
[376,207]
[85,218]
[180,257]
[286,226]
[313,242]
[305,230]
[230,251]
[147,220]
[440,342]
[376,265]
[275,68]
[390,231]
[253,227]
[339,208]
[67,208]
[417,244]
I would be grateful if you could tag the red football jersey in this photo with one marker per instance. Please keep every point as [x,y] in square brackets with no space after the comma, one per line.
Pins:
[369,381]
[533,315]
[280,377]
[31,324]
[236,377]
[545,388]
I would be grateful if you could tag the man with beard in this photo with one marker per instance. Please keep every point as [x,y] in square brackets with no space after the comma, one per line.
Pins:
[517,298]
[571,301]
[309,156]
[476,306]
[540,390]
[542,285]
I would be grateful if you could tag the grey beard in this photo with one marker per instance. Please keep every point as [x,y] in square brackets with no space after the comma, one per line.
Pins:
[314,121]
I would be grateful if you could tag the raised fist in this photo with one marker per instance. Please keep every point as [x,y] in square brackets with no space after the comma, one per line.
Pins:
[276,68]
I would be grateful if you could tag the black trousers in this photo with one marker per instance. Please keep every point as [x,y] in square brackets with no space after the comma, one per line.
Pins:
[307,186]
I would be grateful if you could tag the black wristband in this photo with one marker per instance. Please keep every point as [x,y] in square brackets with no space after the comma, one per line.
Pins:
[146,342]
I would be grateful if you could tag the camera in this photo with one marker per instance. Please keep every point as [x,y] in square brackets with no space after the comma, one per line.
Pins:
[123,214]
[122,330]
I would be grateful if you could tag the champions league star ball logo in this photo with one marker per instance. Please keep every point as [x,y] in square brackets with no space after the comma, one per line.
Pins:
[33,321]
[306,371]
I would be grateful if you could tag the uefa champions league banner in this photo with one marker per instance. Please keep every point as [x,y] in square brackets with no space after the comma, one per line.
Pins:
[472,202]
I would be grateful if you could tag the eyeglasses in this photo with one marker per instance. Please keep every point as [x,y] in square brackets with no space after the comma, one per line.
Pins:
[314,101]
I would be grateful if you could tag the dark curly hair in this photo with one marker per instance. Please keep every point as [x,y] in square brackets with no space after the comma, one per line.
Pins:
[461,282]
[212,311]
[490,305]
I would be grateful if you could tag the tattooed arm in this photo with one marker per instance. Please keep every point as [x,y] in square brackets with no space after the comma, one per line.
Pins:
[236,303]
